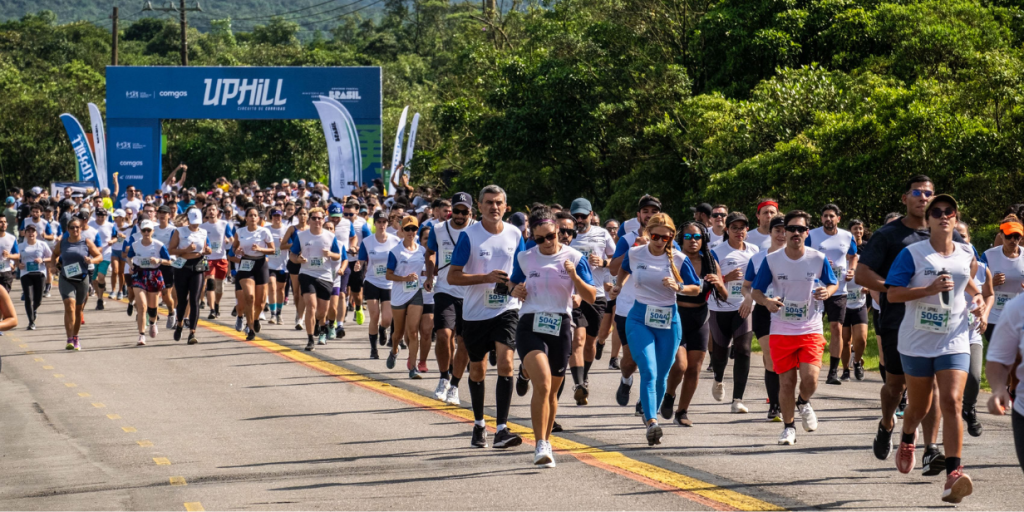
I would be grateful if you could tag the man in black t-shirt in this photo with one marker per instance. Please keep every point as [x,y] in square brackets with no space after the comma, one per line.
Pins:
[872,270]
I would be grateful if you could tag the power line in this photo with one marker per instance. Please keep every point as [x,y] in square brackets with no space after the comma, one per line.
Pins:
[301,17]
[287,12]
[312,25]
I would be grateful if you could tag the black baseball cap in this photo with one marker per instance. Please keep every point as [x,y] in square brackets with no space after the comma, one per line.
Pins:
[462,198]
[704,208]
[648,200]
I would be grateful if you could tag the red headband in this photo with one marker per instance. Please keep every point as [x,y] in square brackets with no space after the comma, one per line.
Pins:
[767,203]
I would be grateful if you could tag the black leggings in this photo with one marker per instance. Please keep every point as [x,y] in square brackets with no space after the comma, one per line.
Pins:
[728,328]
[1018,437]
[188,286]
[33,284]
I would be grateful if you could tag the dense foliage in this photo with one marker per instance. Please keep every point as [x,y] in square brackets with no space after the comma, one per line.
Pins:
[808,101]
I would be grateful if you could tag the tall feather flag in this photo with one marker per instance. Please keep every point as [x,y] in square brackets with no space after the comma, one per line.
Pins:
[80,145]
[99,142]
[411,144]
[354,136]
[342,147]
[396,156]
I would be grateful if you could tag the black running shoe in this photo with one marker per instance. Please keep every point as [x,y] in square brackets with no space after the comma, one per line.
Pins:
[882,445]
[309,346]
[613,363]
[639,410]
[506,439]
[666,406]
[682,420]
[212,316]
[845,376]
[192,338]
[774,413]
[858,371]
[493,358]
[99,305]
[833,378]
[256,325]
[340,332]
[131,308]
[522,383]
[654,434]
[580,394]
[177,332]
[600,350]
[251,335]
[622,395]
[933,462]
[391,360]
[973,425]
[374,354]
[479,437]
[556,427]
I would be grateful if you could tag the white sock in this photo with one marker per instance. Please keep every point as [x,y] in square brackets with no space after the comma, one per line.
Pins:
[480,423]
[341,324]
[629,381]
[499,428]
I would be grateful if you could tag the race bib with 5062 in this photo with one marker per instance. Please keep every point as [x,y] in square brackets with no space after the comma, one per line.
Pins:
[495,300]
[932,318]
[546,323]
[658,317]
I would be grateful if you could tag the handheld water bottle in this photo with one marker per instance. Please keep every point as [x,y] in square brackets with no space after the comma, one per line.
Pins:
[945,295]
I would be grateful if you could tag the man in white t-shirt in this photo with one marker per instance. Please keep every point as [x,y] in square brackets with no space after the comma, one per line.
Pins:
[132,199]
[840,249]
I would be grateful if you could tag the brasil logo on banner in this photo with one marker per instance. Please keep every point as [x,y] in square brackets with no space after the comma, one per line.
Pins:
[80,145]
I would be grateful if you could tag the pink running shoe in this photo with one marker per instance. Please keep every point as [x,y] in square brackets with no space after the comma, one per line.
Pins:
[422,367]
[905,460]
[958,485]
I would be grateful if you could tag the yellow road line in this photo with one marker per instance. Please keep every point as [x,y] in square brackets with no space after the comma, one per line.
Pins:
[145,443]
[98,405]
[161,461]
[691,488]
[178,480]
[114,416]
[59,375]
[47,367]
[129,429]
[71,384]
[84,395]
[194,506]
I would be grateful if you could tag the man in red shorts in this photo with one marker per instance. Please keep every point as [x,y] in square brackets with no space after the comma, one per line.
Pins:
[801,278]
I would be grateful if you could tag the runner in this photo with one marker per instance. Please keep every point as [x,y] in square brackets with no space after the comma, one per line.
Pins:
[107,238]
[693,319]
[448,321]
[71,258]
[376,288]
[310,249]
[145,256]
[761,318]
[1007,268]
[545,277]
[252,243]
[760,237]
[190,245]
[123,224]
[482,261]
[803,278]
[597,248]
[345,233]
[405,264]
[34,258]
[427,319]
[731,326]
[299,222]
[983,280]
[717,229]
[221,234]
[1005,349]
[855,323]
[930,277]
[653,324]
[838,246]
[8,255]
[163,232]
[355,280]
[875,261]
[276,263]
[608,321]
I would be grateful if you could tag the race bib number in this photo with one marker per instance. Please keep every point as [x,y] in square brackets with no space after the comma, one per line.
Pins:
[215,246]
[246,265]
[546,323]
[794,310]
[838,270]
[73,270]
[145,262]
[277,251]
[854,296]
[658,318]
[178,262]
[932,318]
[495,300]
[412,286]
[735,290]
[380,270]
[32,266]
[5,265]
[447,257]
[1002,298]
[316,263]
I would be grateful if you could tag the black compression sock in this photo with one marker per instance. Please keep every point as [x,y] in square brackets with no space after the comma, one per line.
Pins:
[800,400]
[881,369]
[476,393]
[907,438]
[771,383]
[503,399]
[951,464]
[833,364]
[451,367]
[310,341]
[446,375]
[791,424]
[455,381]
[577,372]
[718,363]
[740,372]
[373,341]
[586,369]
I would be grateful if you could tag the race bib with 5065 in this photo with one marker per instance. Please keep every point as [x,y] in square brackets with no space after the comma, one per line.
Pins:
[658,317]
[932,318]
[546,323]
[246,265]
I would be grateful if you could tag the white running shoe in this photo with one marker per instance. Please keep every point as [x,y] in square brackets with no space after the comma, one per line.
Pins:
[442,389]
[788,436]
[298,319]
[170,322]
[152,330]
[738,407]
[263,316]
[142,339]
[807,416]
[453,397]
[718,390]
[542,456]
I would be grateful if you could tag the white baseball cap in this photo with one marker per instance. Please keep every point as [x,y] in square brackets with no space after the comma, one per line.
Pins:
[119,213]
[147,224]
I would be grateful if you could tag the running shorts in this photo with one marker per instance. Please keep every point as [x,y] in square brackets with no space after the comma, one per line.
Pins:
[447,313]
[481,335]
[557,347]
[218,269]
[371,292]
[790,351]
[309,284]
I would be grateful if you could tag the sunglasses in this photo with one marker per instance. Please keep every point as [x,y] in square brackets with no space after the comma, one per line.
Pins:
[409,229]
[460,211]
[571,233]
[796,229]
[1014,236]
[581,216]
[689,236]
[919,193]
[316,218]
[938,213]
[349,215]
[718,215]
[547,238]
[661,238]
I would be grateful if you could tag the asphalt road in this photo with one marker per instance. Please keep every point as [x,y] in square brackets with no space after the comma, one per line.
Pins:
[229,424]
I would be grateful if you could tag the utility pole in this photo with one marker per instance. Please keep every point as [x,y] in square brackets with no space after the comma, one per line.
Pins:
[113,39]
[182,10]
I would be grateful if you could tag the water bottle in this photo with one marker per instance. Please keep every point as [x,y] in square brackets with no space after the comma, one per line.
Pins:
[817,284]
[944,296]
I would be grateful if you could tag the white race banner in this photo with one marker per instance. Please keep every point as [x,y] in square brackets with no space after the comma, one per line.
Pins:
[355,135]
[342,146]
[396,157]
[99,142]
[411,144]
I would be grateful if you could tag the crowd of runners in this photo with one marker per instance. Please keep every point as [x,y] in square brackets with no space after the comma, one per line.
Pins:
[481,284]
